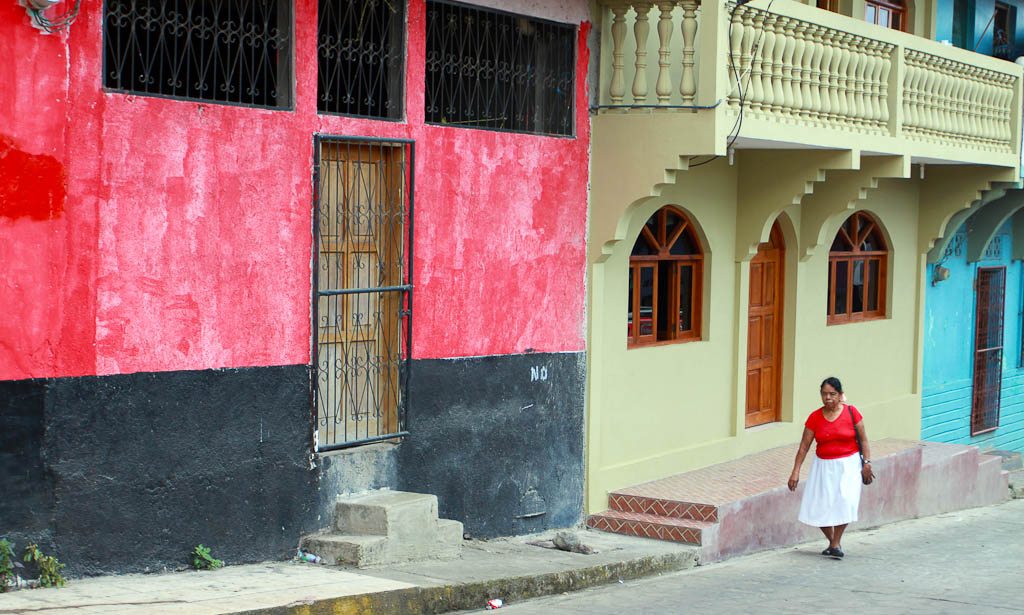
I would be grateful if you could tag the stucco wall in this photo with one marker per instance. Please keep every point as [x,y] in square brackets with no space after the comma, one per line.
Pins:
[661,410]
[950,313]
[161,234]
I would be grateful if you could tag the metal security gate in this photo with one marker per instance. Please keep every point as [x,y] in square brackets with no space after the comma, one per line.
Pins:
[988,349]
[362,280]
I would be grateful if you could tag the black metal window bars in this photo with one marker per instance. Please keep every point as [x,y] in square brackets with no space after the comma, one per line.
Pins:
[228,51]
[499,71]
[361,53]
[362,283]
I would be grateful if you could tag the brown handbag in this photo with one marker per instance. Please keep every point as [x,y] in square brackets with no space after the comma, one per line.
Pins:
[860,449]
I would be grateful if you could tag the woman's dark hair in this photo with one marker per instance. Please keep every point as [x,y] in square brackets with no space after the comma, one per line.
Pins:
[833,382]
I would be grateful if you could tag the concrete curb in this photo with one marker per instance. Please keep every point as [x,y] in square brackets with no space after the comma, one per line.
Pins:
[474,595]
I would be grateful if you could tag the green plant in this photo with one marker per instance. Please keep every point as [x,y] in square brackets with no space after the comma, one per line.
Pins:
[202,560]
[48,566]
[6,564]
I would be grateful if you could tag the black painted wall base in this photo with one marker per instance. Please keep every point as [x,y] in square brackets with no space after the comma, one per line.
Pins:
[130,472]
[499,440]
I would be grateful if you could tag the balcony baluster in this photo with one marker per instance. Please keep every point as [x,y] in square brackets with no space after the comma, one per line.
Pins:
[641,28]
[664,85]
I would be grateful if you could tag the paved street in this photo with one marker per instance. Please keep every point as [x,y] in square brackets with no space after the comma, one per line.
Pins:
[965,562]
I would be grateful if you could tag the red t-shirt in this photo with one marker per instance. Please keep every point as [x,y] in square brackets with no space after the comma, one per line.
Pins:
[838,438]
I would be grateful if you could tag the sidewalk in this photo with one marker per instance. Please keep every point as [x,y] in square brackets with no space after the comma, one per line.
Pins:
[510,569]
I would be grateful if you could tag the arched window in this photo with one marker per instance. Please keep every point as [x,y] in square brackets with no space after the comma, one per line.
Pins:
[856,271]
[665,281]
[888,13]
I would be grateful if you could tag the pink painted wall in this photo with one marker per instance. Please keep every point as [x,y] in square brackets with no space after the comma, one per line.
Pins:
[146,234]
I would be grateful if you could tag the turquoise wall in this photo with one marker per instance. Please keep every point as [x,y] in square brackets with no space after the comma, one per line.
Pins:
[979,13]
[948,351]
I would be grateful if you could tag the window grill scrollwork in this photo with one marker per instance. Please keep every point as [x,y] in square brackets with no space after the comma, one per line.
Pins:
[360,51]
[496,70]
[229,51]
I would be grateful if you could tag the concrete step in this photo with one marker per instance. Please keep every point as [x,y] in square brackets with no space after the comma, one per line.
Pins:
[992,483]
[1011,459]
[383,528]
[743,505]
[674,529]
[662,507]
[398,514]
[1016,483]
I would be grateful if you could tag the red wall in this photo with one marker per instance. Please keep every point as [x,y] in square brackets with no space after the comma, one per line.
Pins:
[145,234]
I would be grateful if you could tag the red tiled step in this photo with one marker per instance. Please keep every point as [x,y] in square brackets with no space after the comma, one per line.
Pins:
[649,526]
[662,507]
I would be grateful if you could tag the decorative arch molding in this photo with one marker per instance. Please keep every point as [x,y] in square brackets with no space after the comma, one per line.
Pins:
[954,189]
[636,215]
[999,189]
[837,198]
[987,221]
[771,182]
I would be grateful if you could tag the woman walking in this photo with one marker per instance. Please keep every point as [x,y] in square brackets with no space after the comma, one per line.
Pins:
[832,494]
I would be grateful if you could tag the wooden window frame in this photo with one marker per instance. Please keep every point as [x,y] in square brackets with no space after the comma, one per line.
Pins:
[671,286]
[895,7]
[851,256]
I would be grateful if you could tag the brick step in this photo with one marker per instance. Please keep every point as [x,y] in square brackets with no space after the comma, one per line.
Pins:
[662,507]
[687,531]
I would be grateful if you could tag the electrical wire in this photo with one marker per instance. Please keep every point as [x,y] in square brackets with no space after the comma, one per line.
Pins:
[62,22]
[737,125]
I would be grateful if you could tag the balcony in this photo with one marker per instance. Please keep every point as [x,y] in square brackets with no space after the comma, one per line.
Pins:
[712,75]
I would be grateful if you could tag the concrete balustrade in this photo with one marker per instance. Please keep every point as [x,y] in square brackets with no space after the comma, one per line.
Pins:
[798,66]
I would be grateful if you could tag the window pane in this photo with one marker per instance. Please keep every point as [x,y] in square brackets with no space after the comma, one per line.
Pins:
[858,287]
[685,245]
[869,14]
[646,316]
[839,244]
[872,242]
[672,222]
[840,286]
[642,247]
[873,271]
[685,298]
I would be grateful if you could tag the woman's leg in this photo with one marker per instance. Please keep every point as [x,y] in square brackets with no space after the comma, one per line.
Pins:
[827,531]
[837,535]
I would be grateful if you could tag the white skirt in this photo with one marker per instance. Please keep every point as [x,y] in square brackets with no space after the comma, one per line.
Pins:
[832,492]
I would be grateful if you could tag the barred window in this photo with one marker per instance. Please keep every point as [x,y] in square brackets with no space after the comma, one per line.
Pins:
[360,48]
[495,70]
[229,51]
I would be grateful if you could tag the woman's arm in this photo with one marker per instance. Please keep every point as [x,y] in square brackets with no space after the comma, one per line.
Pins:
[865,449]
[801,453]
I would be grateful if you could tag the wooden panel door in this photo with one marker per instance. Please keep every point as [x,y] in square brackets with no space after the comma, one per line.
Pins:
[360,239]
[764,331]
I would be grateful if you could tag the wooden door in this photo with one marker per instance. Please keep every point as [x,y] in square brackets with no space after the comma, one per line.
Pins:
[360,262]
[764,331]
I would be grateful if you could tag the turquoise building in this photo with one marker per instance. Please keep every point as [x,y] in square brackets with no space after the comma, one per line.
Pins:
[973,381]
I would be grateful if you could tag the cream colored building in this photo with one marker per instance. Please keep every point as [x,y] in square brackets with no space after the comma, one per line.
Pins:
[839,117]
